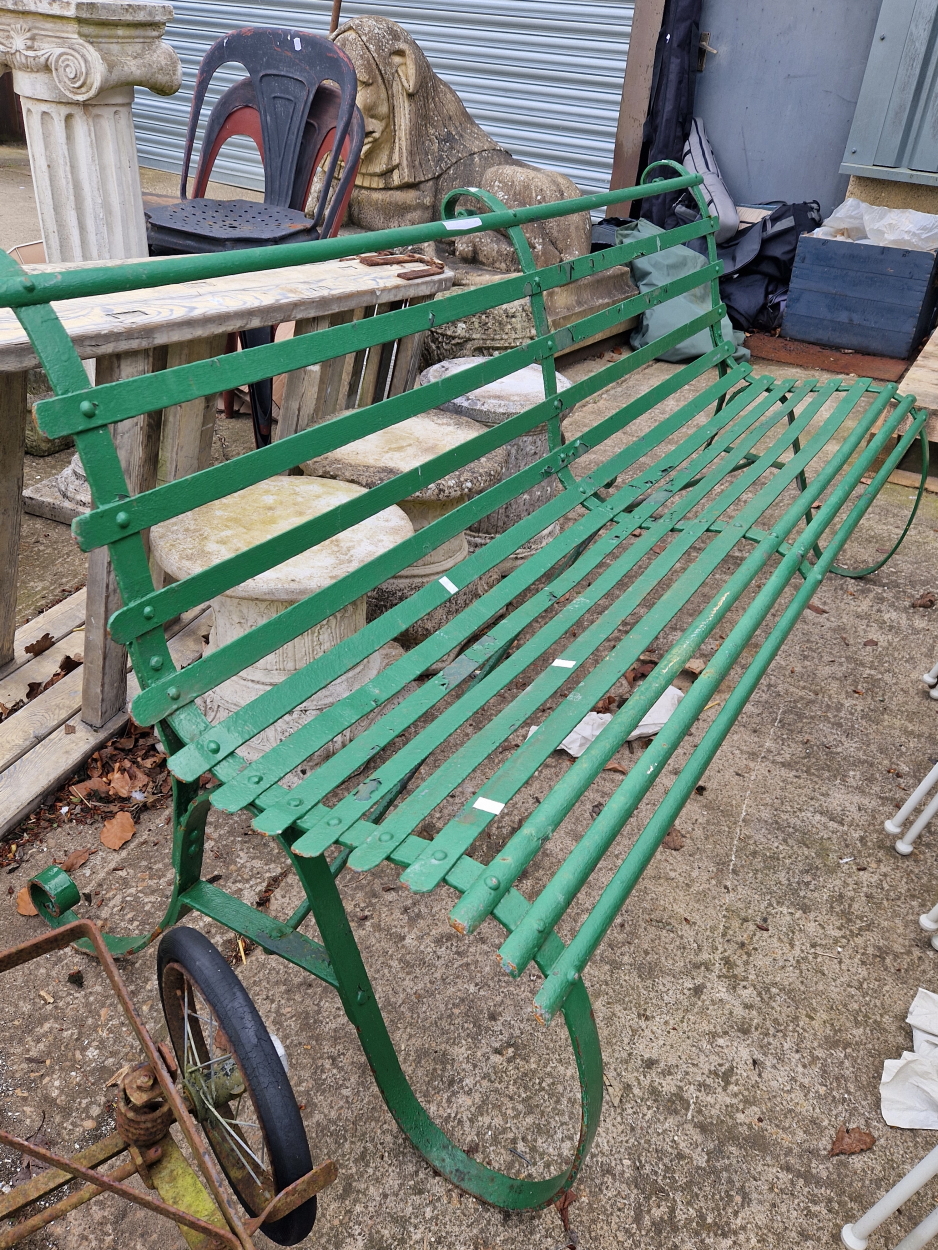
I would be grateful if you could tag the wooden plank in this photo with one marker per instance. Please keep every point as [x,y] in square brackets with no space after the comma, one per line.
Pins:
[840,334]
[636,93]
[186,443]
[811,356]
[300,387]
[99,325]
[864,258]
[58,621]
[42,755]
[15,686]
[51,762]
[12,451]
[407,359]
[897,296]
[922,378]
[104,673]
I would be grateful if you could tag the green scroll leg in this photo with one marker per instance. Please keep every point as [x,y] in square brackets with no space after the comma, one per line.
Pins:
[358,999]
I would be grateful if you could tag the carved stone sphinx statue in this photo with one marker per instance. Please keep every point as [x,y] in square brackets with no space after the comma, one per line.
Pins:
[420,143]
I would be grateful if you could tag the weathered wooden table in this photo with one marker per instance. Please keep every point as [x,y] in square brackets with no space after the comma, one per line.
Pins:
[143,332]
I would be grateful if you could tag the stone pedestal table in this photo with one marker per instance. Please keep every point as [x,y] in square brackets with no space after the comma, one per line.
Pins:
[378,457]
[199,539]
[490,405]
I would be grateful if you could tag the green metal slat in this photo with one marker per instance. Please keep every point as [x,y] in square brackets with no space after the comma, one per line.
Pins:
[524,845]
[163,696]
[164,605]
[333,822]
[459,833]
[568,969]
[111,402]
[569,879]
[309,738]
[19,289]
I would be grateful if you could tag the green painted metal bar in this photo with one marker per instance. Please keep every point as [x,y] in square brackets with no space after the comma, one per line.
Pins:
[335,821]
[568,968]
[114,521]
[163,605]
[358,999]
[309,738]
[276,937]
[19,289]
[569,879]
[529,839]
[494,795]
[156,701]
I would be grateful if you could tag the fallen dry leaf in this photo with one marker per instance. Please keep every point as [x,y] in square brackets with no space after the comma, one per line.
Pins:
[76,859]
[927,600]
[608,705]
[118,830]
[851,1141]
[695,666]
[69,729]
[24,904]
[871,642]
[813,607]
[674,840]
[40,645]
[615,768]
[121,783]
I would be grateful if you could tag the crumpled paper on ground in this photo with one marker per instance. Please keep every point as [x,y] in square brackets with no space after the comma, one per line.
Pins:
[886,227]
[909,1088]
[593,723]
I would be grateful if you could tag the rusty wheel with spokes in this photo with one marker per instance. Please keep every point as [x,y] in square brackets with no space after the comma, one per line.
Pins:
[234,1079]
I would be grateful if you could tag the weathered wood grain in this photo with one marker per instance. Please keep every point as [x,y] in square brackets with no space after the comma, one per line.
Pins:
[12,450]
[101,324]
[58,621]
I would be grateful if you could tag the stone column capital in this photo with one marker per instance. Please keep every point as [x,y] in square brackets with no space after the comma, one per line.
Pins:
[74,50]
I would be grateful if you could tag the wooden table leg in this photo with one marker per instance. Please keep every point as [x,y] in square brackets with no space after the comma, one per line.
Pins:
[104,675]
[186,443]
[12,450]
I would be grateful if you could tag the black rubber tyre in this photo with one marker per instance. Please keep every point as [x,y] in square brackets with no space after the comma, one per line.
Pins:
[224,1036]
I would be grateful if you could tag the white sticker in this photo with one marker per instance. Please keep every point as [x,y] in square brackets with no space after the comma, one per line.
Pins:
[296,42]
[448,585]
[488,805]
[463,223]
[564,664]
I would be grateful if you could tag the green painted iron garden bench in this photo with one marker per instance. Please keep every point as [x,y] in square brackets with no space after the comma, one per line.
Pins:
[731,507]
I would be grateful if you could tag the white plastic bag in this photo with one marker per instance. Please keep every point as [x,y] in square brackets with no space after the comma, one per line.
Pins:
[909,1087]
[593,723]
[883,227]
[846,221]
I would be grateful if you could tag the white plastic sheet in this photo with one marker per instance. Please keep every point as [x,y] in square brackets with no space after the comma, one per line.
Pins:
[593,723]
[886,227]
[909,1088]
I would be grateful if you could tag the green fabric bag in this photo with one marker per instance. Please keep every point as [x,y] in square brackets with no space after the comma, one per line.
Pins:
[652,271]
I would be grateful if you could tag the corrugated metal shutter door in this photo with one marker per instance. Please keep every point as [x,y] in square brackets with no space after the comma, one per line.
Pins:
[543,79]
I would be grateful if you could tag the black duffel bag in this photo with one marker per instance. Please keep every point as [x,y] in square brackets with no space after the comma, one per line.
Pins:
[758,264]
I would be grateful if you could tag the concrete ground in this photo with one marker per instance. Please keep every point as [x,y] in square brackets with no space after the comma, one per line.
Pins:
[746,998]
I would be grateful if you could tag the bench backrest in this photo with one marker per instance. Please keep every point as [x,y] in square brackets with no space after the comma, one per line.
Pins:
[120,519]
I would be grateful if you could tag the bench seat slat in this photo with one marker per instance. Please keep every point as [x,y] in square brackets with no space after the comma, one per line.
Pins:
[303,741]
[335,821]
[568,968]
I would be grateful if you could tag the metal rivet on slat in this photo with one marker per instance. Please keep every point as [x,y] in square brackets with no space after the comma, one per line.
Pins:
[439,856]
[156,663]
[212,747]
[28,285]
[148,613]
[173,692]
[539,925]
[122,519]
[492,882]
[333,822]
[386,837]
[87,407]
[558,404]
[255,779]
[296,802]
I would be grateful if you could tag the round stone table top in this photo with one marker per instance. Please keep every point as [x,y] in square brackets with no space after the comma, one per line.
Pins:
[496,400]
[197,540]
[376,458]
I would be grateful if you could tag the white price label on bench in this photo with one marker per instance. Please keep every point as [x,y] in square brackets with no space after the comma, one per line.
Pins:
[448,585]
[564,664]
[463,223]
[489,805]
